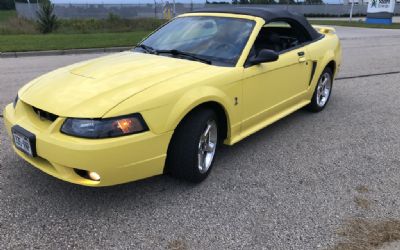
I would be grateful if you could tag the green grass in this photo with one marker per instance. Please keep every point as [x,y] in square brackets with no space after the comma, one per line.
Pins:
[17,34]
[7,14]
[112,24]
[38,42]
[355,24]
[12,25]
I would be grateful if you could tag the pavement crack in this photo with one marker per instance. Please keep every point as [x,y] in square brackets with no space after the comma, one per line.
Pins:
[367,75]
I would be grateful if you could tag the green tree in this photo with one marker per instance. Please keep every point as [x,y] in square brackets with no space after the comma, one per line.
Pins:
[47,20]
[262,1]
[7,5]
[314,2]
[286,2]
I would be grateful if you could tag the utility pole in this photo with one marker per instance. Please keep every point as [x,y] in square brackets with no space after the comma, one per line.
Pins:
[30,9]
[351,10]
[155,9]
[174,10]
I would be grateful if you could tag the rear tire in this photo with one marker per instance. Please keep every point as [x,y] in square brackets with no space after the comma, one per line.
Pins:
[193,146]
[322,92]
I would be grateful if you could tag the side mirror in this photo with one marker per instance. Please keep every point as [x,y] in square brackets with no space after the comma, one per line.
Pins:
[265,55]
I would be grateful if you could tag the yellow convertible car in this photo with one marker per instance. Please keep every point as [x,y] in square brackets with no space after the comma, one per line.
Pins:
[204,78]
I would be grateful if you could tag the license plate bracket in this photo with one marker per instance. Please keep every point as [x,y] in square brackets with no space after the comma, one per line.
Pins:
[24,140]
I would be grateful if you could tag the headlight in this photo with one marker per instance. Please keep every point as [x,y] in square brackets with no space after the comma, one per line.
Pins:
[104,128]
[15,101]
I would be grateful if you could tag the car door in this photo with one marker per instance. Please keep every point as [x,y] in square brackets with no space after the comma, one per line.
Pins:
[274,87]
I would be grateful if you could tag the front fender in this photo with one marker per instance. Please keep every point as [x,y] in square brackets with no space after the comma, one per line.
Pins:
[196,97]
[167,118]
[164,106]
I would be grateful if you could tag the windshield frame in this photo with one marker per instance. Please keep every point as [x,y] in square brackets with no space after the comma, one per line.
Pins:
[240,60]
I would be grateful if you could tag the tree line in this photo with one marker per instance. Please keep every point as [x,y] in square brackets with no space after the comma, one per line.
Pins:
[7,5]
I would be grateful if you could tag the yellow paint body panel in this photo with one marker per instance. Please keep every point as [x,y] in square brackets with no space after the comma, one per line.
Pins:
[117,160]
[163,90]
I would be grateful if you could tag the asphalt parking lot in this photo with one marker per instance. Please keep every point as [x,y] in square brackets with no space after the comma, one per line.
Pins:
[293,185]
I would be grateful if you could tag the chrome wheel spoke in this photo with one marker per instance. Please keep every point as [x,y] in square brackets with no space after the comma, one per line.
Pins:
[207,146]
[323,89]
[326,92]
[201,161]
[324,81]
[206,133]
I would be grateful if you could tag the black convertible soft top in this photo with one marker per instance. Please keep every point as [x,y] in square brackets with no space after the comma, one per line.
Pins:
[266,14]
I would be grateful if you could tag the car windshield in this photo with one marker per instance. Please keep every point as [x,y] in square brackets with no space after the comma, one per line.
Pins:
[210,39]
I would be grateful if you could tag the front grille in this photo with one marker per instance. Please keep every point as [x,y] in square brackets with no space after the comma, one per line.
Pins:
[44,115]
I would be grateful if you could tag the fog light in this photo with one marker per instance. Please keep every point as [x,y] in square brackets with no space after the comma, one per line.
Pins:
[94,176]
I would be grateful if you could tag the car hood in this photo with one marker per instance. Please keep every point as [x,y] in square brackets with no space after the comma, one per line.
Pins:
[89,89]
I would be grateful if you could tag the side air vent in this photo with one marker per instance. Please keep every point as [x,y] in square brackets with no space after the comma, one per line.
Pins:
[44,115]
[314,66]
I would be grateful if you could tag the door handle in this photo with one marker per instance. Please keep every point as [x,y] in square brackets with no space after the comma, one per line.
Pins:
[301,56]
[302,59]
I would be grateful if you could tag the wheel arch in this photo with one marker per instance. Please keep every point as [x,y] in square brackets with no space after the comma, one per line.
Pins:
[328,60]
[222,115]
[217,101]
[332,65]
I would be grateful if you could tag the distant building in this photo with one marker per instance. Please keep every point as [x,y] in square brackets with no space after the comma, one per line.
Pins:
[361,1]
[355,2]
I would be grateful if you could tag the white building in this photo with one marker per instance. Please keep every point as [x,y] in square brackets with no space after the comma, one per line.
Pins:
[361,1]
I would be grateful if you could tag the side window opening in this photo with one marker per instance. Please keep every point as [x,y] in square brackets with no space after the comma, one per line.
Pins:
[279,36]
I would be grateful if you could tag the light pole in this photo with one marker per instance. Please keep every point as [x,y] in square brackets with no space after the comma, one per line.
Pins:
[155,9]
[174,10]
[351,10]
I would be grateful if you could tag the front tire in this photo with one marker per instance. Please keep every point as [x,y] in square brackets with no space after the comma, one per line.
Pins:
[322,91]
[193,146]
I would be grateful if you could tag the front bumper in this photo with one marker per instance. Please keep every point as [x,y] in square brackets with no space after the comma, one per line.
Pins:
[117,160]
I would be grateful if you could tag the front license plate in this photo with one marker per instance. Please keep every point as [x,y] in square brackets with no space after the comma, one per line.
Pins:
[24,140]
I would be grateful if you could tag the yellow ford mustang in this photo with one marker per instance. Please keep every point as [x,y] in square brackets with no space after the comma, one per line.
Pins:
[207,77]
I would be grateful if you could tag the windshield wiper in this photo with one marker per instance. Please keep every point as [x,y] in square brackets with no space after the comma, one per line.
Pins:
[147,48]
[176,52]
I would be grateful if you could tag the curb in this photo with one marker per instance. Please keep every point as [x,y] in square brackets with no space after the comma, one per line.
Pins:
[62,52]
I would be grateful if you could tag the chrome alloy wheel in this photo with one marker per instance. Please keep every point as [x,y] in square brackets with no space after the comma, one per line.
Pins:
[207,145]
[324,89]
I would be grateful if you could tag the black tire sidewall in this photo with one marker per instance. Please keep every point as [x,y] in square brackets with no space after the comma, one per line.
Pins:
[313,106]
[182,155]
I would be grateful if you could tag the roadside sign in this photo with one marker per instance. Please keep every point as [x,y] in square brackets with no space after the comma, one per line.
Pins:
[380,11]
